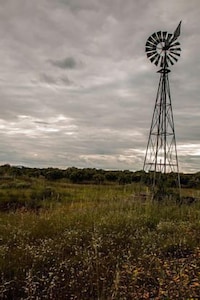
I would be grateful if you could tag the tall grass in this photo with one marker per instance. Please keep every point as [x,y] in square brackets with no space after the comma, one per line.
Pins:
[99,242]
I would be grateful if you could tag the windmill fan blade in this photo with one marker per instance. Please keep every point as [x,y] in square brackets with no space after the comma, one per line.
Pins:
[171,61]
[159,36]
[151,50]
[148,44]
[150,47]
[174,58]
[178,54]
[151,40]
[153,57]
[164,34]
[149,54]
[157,60]
[169,37]
[175,44]
[154,36]
[175,49]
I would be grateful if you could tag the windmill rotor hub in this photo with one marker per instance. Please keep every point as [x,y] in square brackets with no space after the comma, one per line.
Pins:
[166,47]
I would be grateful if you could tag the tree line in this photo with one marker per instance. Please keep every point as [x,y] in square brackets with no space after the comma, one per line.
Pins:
[96,176]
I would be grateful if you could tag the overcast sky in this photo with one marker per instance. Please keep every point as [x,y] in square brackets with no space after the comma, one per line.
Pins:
[76,87]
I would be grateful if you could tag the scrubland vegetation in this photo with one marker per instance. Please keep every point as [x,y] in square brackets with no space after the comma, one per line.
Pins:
[95,240]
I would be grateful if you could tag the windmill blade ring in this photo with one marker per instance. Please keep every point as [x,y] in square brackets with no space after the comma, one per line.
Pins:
[161,44]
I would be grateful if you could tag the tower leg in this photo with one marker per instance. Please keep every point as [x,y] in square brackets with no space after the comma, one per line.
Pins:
[161,160]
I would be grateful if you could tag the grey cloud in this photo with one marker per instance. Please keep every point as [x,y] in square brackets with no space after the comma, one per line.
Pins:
[48,78]
[91,104]
[67,63]
[65,80]
[41,122]
[77,5]
[55,80]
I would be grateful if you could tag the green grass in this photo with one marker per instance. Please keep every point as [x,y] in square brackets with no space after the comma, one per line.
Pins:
[97,242]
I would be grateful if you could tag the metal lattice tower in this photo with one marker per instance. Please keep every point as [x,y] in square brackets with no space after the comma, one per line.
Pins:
[163,49]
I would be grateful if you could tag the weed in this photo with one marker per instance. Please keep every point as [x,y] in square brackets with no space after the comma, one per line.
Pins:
[96,242]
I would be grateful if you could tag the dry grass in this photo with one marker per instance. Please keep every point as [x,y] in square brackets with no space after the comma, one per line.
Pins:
[97,242]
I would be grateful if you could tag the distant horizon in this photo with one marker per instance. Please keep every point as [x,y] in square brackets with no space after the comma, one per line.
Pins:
[82,168]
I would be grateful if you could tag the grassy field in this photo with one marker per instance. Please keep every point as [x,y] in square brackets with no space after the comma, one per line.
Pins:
[67,241]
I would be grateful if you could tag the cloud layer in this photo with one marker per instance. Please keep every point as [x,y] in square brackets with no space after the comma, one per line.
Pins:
[77,89]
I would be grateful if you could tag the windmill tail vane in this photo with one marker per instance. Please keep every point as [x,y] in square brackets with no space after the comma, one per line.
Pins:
[177,32]
[162,49]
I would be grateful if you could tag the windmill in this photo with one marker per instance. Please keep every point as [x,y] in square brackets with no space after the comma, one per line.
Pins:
[163,49]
